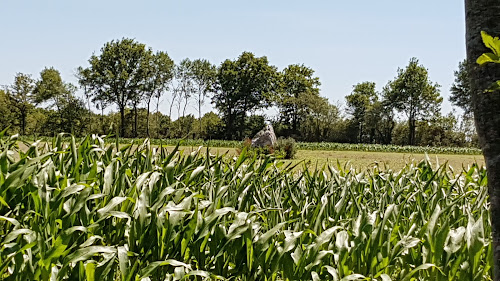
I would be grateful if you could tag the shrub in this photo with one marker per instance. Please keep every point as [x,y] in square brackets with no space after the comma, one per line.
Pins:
[287,147]
[259,151]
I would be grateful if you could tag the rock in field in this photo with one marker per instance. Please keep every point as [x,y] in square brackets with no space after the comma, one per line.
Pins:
[265,137]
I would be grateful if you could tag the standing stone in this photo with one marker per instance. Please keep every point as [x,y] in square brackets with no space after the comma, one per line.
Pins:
[265,137]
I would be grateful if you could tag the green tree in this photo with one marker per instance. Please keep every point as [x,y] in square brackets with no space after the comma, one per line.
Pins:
[440,131]
[203,75]
[21,97]
[117,75]
[160,74]
[298,84]
[379,121]
[483,15]
[359,102]
[243,86]
[185,86]
[319,116]
[52,89]
[460,91]
[211,126]
[413,94]
[6,114]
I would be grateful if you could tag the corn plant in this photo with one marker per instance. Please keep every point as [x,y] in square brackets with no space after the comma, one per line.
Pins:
[98,210]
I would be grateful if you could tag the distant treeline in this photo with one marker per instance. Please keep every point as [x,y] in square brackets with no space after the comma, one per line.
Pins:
[130,78]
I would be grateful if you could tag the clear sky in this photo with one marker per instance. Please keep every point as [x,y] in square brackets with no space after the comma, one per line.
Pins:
[345,42]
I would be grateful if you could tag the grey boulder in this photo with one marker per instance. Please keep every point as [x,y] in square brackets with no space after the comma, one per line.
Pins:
[265,137]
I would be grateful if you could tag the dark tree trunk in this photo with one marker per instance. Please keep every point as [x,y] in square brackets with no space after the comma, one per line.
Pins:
[23,123]
[103,127]
[411,135]
[122,122]
[360,135]
[147,120]
[199,116]
[484,15]
[135,121]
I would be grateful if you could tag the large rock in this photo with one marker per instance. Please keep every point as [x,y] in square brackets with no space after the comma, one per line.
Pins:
[265,137]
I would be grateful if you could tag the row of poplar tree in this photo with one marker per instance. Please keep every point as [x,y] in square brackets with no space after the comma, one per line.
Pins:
[128,76]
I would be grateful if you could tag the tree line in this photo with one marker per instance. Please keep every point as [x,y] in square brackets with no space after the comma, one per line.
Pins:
[128,76]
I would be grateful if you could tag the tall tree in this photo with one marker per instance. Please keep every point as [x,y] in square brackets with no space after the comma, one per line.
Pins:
[413,94]
[298,85]
[21,97]
[460,91]
[6,118]
[160,73]
[359,102]
[50,87]
[117,75]
[185,85]
[243,86]
[483,15]
[203,74]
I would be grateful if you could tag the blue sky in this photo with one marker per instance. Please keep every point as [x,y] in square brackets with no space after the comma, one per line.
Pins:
[345,42]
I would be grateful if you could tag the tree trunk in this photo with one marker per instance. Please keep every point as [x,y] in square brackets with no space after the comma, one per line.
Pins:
[411,133]
[484,15]
[23,122]
[122,122]
[147,120]
[360,135]
[103,127]
[199,116]
[158,116]
[135,121]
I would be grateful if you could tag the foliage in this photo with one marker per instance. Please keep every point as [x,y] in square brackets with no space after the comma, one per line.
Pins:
[203,74]
[212,126]
[253,124]
[160,74]
[7,116]
[21,97]
[413,94]
[118,75]
[299,90]
[327,146]
[460,92]
[130,76]
[493,43]
[287,148]
[243,86]
[97,212]
[360,103]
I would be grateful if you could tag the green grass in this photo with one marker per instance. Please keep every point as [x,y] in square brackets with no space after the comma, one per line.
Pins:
[360,160]
[326,146]
[89,211]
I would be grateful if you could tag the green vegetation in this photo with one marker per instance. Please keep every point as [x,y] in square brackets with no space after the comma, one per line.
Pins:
[122,86]
[299,145]
[90,211]
[493,43]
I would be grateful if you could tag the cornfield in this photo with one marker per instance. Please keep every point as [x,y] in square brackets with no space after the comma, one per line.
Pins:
[97,211]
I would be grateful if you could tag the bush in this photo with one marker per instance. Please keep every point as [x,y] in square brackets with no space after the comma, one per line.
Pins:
[284,149]
[287,147]
[259,151]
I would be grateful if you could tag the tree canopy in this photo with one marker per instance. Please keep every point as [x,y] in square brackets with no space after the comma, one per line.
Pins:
[413,94]
[243,86]
[118,74]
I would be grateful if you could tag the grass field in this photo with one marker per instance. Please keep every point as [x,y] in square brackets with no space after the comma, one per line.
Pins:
[323,146]
[361,160]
